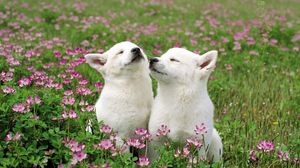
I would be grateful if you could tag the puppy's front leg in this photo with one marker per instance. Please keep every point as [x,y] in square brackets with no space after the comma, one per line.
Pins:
[153,148]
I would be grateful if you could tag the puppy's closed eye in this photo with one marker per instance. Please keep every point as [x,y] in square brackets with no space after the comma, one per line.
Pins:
[120,52]
[174,60]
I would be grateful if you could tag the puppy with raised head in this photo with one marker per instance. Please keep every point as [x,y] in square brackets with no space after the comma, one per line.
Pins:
[182,100]
[126,99]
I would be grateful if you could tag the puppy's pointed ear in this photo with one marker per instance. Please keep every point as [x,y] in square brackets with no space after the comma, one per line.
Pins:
[207,62]
[96,61]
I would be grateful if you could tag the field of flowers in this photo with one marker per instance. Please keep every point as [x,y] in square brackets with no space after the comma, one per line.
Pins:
[47,91]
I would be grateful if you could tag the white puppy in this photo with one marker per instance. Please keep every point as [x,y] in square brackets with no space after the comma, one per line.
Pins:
[126,99]
[182,100]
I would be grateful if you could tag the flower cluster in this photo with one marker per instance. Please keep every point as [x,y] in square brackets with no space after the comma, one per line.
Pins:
[25,107]
[143,134]
[105,144]
[137,143]
[9,136]
[8,90]
[267,148]
[69,114]
[77,149]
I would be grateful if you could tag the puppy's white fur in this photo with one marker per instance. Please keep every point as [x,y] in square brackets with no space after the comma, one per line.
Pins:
[126,99]
[216,147]
[182,100]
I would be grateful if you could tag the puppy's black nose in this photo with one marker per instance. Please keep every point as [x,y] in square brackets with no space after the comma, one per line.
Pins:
[153,60]
[136,50]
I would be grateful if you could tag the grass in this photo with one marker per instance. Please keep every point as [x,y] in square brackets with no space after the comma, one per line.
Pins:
[258,99]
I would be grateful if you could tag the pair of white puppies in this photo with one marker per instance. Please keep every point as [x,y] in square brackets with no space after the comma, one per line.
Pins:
[182,100]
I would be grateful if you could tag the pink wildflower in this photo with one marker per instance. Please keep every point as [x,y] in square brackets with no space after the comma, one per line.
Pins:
[37,100]
[193,160]
[156,52]
[194,141]
[76,75]
[57,54]
[252,155]
[98,85]
[265,146]
[200,129]
[90,108]
[6,76]
[106,129]
[106,165]
[252,52]
[194,41]
[296,161]
[185,152]
[83,82]
[60,166]
[69,51]
[135,143]
[163,130]
[17,137]
[83,103]
[284,156]
[143,161]
[78,157]
[225,40]
[106,144]
[147,136]
[68,92]
[296,37]
[64,115]
[8,136]
[67,81]
[273,42]
[19,108]
[177,153]
[24,82]
[239,35]
[177,44]
[30,100]
[68,100]
[76,147]
[213,43]
[72,114]
[83,91]
[250,41]
[237,46]
[62,62]
[140,131]
[8,90]
[120,150]
[222,49]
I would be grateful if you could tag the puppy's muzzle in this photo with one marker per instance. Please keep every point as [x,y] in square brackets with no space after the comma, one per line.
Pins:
[137,54]
[153,61]
[136,50]
[152,67]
